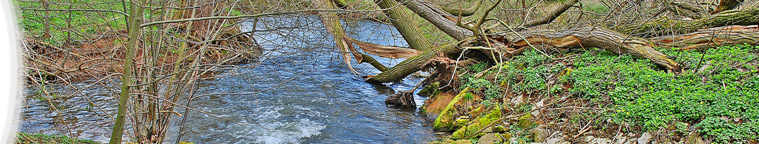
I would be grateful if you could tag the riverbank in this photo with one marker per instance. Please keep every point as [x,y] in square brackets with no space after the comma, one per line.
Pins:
[27,138]
[595,96]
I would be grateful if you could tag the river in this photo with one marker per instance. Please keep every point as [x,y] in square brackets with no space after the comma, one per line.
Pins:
[299,91]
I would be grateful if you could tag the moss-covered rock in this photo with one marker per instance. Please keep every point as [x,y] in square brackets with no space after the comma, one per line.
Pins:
[525,121]
[478,124]
[446,121]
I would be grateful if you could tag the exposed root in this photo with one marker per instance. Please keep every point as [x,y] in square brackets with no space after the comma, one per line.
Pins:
[404,100]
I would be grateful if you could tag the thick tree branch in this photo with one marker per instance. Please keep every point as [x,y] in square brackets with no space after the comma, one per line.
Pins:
[404,20]
[710,38]
[80,10]
[664,26]
[251,16]
[463,12]
[384,51]
[441,19]
[601,38]
[412,64]
[552,15]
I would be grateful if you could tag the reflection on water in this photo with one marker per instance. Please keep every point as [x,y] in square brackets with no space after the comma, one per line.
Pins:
[299,92]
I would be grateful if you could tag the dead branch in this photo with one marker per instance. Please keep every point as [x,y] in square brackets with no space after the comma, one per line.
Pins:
[664,26]
[384,51]
[463,12]
[552,15]
[438,17]
[708,38]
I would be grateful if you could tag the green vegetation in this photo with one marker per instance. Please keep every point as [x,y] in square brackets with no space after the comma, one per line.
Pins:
[720,97]
[69,25]
[718,92]
[595,7]
[25,138]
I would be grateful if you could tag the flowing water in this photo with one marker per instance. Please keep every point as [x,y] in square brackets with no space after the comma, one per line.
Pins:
[299,91]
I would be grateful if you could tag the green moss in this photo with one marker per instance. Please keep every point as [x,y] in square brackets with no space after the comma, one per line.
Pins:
[596,8]
[446,120]
[25,138]
[430,89]
[83,24]
[471,130]
[525,121]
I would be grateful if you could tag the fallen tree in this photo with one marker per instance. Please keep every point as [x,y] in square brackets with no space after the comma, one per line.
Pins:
[604,38]
[665,26]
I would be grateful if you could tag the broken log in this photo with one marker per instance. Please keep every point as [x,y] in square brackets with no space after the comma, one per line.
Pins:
[713,37]
[597,37]
[384,51]
[404,100]
[412,64]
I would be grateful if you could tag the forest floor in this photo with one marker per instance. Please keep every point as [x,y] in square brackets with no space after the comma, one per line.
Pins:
[595,96]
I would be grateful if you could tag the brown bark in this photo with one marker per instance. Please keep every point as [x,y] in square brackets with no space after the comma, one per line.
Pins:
[402,100]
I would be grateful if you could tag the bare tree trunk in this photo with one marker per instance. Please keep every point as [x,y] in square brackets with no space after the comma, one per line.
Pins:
[135,14]
[403,20]
[441,19]
[46,22]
